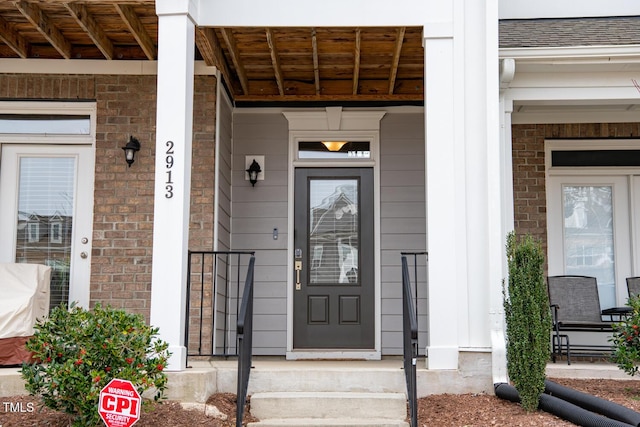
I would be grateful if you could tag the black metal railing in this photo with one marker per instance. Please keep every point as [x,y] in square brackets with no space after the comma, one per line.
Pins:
[244,333]
[410,342]
[213,300]
[417,262]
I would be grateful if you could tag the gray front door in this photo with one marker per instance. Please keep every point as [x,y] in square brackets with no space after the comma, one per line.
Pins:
[334,259]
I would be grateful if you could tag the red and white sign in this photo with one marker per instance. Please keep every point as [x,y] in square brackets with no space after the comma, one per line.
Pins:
[119,404]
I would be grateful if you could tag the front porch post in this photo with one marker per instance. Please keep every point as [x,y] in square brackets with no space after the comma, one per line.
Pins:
[464,171]
[176,41]
[445,208]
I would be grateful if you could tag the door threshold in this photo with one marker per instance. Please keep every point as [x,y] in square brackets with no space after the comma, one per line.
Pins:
[331,354]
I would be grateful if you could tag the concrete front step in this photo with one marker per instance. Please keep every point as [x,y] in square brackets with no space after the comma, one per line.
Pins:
[329,405]
[329,422]
[352,376]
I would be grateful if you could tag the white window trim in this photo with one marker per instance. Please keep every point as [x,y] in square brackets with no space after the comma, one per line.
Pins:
[88,108]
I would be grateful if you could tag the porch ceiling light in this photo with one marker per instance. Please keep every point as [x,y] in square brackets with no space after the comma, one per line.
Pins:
[334,145]
[253,171]
[130,150]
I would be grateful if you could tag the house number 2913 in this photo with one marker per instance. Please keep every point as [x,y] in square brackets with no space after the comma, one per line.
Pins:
[169,165]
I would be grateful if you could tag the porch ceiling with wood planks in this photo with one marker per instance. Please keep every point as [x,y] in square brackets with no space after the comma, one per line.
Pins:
[259,65]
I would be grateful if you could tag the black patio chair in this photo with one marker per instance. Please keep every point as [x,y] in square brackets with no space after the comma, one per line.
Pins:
[633,286]
[575,307]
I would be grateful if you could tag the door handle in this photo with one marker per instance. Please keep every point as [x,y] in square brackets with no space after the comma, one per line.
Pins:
[298,268]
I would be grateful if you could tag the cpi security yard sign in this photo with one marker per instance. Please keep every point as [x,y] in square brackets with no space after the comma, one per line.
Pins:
[119,404]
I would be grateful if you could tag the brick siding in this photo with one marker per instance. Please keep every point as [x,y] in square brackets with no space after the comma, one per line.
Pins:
[123,205]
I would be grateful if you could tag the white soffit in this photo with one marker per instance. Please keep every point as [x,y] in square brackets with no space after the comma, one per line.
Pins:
[573,112]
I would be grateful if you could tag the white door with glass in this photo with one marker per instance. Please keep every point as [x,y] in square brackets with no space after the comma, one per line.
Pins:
[46,214]
[589,220]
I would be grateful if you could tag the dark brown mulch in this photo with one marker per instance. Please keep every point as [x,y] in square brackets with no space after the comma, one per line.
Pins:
[442,410]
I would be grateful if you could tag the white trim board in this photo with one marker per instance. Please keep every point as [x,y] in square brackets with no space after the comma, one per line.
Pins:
[91,66]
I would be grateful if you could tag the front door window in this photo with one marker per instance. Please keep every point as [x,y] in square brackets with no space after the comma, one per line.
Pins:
[333,231]
[588,236]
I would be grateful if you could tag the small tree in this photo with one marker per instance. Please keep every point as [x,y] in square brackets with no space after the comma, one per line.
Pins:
[528,319]
[626,340]
[76,352]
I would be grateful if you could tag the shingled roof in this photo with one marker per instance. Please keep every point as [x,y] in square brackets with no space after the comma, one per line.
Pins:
[562,32]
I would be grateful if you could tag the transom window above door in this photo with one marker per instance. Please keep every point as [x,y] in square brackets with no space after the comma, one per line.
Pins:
[50,124]
[334,149]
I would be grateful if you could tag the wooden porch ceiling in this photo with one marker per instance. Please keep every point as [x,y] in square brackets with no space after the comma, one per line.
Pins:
[259,65]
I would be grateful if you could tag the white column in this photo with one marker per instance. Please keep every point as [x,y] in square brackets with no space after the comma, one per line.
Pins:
[464,199]
[176,41]
[445,245]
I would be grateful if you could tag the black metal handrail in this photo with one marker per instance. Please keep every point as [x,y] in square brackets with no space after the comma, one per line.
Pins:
[414,256]
[410,342]
[218,275]
[244,333]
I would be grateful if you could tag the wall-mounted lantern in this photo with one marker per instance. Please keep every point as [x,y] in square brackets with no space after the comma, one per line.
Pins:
[253,171]
[130,150]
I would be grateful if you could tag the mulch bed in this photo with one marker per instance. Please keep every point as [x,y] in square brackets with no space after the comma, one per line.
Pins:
[442,410]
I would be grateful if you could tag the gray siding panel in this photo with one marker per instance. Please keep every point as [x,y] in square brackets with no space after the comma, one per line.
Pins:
[223,186]
[402,220]
[256,212]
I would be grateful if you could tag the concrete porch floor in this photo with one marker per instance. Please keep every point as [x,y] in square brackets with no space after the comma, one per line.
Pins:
[205,377]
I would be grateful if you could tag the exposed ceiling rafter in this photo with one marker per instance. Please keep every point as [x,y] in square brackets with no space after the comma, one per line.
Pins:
[89,25]
[44,25]
[12,39]
[209,46]
[227,35]
[316,62]
[356,62]
[275,61]
[396,59]
[132,22]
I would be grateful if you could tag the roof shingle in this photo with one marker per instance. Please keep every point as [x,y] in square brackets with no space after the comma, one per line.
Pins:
[563,32]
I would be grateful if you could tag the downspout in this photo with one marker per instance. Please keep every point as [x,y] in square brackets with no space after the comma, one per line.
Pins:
[496,314]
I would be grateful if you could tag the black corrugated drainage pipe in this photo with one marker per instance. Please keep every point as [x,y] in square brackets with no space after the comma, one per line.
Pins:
[561,408]
[593,403]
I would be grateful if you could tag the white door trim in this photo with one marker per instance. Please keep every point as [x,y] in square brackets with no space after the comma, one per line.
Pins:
[336,124]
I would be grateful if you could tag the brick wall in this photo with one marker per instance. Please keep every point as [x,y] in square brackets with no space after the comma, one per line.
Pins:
[123,206]
[530,204]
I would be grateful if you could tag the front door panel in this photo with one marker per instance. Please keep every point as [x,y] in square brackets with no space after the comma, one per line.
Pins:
[334,259]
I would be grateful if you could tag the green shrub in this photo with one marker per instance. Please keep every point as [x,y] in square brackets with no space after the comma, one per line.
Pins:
[77,352]
[528,319]
[626,340]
